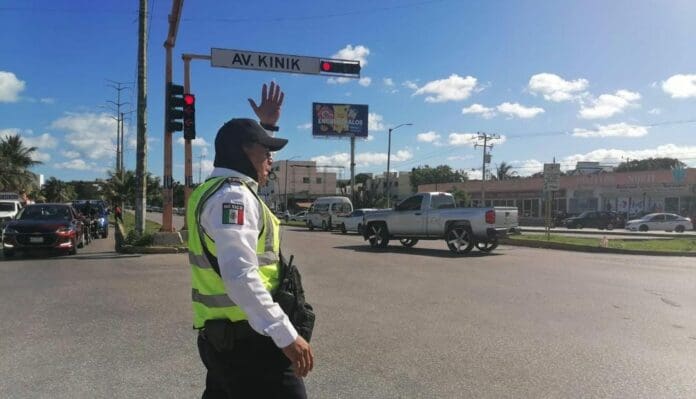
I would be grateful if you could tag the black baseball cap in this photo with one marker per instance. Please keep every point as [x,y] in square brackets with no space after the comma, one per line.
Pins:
[242,130]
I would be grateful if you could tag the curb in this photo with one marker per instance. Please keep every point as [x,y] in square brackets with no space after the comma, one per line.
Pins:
[587,248]
[615,232]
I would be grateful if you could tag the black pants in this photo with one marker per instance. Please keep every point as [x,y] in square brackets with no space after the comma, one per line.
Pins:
[255,368]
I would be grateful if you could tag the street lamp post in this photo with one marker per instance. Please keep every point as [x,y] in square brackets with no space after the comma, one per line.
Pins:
[285,190]
[389,159]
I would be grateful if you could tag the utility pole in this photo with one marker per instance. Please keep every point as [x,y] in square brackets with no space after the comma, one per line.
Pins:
[200,167]
[141,155]
[486,159]
[118,86]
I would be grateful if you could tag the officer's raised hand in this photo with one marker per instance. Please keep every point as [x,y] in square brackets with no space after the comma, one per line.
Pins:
[301,356]
[271,101]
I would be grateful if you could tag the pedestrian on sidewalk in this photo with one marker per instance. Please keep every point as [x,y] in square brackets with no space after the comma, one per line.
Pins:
[118,213]
[247,342]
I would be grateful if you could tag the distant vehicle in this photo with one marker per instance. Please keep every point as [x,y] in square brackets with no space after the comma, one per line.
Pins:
[660,221]
[299,217]
[8,210]
[44,226]
[353,221]
[595,219]
[434,215]
[324,211]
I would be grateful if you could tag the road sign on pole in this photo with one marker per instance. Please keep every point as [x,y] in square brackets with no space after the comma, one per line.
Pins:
[552,177]
[241,59]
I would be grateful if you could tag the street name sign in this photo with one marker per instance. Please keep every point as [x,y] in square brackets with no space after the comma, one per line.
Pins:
[552,176]
[252,60]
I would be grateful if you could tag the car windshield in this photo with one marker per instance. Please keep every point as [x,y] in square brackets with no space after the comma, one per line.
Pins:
[584,214]
[6,207]
[45,212]
[89,209]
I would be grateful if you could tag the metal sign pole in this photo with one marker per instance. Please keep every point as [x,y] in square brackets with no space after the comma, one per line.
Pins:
[352,168]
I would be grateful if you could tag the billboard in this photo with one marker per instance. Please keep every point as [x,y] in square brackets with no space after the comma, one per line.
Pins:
[339,120]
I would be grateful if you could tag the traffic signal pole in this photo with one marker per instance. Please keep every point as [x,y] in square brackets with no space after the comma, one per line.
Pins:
[167,192]
[188,150]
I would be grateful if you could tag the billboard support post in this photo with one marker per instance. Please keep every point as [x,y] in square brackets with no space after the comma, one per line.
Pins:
[352,167]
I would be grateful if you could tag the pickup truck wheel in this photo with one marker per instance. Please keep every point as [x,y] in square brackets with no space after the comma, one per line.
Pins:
[487,246]
[459,239]
[408,242]
[377,235]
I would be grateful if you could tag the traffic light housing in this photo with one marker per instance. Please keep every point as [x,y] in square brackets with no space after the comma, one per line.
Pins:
[189,116]
[174,107]
[340,67]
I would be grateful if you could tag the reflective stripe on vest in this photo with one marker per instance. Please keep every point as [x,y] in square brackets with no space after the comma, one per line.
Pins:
[208,293]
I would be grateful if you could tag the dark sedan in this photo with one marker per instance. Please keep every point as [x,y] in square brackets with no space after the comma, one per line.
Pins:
[597,219]
[44,226]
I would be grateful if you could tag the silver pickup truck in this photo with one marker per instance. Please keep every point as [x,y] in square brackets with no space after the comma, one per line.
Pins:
[433,216]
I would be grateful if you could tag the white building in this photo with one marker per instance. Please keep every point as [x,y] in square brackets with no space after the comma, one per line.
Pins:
[400,183]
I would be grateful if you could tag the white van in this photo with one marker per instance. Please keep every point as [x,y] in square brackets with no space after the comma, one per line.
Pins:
[324,211]
[8,209]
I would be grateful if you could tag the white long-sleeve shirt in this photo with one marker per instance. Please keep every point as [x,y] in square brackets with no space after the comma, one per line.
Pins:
[236,241]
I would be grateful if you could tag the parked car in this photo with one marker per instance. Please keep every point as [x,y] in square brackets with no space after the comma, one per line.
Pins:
[8,210]
[352,221]
[299,217]
[324,210]
[434,216]
[44,226]
[595,219]
[660,221]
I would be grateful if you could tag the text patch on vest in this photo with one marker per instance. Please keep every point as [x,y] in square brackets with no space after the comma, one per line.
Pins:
[233,213]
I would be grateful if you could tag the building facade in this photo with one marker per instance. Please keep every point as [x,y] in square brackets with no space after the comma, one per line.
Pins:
[400,183]
[297,183]
[629,193]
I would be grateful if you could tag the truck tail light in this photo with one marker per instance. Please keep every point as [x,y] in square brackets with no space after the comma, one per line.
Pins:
[490,216]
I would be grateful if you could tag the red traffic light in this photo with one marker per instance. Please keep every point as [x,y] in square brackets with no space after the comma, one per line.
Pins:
[189,99]
[326,66]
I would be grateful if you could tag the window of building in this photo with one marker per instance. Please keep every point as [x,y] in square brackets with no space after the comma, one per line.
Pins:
[305,180]
[318,180]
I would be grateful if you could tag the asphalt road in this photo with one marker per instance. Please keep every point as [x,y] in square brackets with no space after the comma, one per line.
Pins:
[397,323]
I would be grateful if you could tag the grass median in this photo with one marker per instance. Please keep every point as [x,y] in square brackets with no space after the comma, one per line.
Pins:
[661,245]
[129,223]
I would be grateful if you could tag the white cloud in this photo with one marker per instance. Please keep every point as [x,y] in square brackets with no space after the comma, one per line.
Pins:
[428,137]
[474,174]
[519,111]
[655,111]
[388,82]
[47,101]
[362,159]
[206,167]
[365,81]
[687,154]
[305,126]
[614,130]
[680,86]
[527,167]
[478,109]
[608,105]
[75,164]
[555,88]
[357,53]
[92,134]
[70,154]
[339,81]
[375,122]
[410,85]
[470,139]
[197,142]
[42,142]
[454,88]
[10,87]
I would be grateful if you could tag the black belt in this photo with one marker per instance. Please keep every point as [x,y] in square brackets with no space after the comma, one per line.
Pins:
[226,330]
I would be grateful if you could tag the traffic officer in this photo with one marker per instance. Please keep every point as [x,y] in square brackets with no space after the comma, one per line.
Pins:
[247,343]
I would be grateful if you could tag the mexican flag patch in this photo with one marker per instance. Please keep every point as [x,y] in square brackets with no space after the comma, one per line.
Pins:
[232,213]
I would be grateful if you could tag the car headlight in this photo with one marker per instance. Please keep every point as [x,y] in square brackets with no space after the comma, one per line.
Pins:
[102,220]
[64,231]
[9,230]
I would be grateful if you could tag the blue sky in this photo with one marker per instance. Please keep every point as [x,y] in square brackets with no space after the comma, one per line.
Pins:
[575,80]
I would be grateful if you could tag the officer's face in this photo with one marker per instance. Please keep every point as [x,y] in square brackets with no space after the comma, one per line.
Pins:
[262,158]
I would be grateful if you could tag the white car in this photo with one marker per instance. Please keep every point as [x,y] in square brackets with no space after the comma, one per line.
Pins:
[299,217]
[660,221]
[9,209]
[353,221]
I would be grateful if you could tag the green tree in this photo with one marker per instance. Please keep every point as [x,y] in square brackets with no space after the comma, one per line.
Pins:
[120,188]
[439,174]
[55,190]
[462,198]
[504,172]
[637,165]
[15,161]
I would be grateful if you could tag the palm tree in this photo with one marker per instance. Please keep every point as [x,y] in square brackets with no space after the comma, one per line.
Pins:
[55,190]
[503,172]
[120,187]
[15,161]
